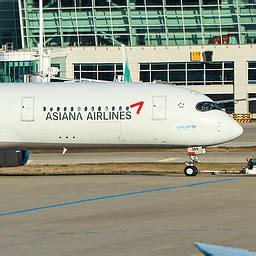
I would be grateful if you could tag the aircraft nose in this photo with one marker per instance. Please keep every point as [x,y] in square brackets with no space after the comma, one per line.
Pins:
[238,130]
[229,129]
[234,129]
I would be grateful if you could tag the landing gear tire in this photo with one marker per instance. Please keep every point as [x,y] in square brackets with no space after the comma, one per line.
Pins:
[190,171]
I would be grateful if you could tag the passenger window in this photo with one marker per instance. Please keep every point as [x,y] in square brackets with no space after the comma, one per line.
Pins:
[85,108]
[44,109]
[78,109]
[99,108]
[51,109]
[127,108]
[120,108]
[106,108]
[58,109]
[113,108]
[92,108]
[72,109]
[65,109]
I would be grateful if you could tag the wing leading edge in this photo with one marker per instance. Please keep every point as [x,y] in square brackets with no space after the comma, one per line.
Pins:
[216,250]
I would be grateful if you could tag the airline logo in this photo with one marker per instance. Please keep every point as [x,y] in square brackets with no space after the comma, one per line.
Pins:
[186,127]
[119,113]
[139,105]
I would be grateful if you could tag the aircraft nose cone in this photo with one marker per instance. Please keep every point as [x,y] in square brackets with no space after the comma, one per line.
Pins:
[237,130]
[231,129]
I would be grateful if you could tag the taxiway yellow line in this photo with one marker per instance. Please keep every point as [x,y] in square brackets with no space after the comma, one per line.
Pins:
[168,159]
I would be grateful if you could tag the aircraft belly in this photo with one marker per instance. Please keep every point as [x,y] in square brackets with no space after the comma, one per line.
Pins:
[9,139]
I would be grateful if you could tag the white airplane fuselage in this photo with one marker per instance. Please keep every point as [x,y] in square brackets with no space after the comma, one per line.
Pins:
[108,115]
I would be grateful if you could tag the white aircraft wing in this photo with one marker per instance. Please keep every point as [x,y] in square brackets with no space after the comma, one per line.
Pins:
[215,250]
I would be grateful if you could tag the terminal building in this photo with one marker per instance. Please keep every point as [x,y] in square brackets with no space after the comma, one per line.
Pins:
[206,45]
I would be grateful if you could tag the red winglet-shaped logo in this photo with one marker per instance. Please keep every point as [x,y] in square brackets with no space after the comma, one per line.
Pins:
[139,105]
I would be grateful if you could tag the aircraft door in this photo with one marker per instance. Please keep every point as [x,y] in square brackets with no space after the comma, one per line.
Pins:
[159,108]
[27,109]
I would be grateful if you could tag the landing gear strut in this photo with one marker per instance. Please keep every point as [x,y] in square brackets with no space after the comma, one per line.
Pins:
[191,169]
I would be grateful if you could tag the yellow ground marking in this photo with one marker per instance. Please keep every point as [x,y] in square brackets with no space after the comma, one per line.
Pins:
[168,159]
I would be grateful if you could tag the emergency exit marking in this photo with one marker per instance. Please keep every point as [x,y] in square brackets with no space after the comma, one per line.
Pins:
[195,56]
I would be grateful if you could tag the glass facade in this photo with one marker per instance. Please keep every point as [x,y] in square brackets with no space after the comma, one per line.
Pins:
[10,23]
[14,71]
[188,73]
[98,71]
[229,107]
[140,22]
[252,72]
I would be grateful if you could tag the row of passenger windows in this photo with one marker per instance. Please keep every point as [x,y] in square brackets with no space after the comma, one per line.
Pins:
[106,108]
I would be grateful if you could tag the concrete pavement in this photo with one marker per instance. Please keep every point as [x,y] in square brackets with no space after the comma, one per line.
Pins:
[124,215]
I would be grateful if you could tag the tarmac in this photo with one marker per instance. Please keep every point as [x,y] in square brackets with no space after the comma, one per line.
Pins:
[121,215]
[125,215]
[136,157]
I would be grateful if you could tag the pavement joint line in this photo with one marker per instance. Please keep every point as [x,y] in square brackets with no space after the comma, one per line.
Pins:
[154,190]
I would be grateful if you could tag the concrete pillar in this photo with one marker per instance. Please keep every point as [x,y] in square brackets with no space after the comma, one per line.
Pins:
[240,86]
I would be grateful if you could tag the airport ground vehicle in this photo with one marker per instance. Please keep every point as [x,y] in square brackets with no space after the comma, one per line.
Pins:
[251,167]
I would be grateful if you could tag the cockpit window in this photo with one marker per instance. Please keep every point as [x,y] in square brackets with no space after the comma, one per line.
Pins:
[207,106]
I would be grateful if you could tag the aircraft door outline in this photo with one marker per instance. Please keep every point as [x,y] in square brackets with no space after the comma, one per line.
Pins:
[27,109]
[159,108]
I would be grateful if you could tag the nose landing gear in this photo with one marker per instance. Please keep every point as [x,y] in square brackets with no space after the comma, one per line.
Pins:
[191,169]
